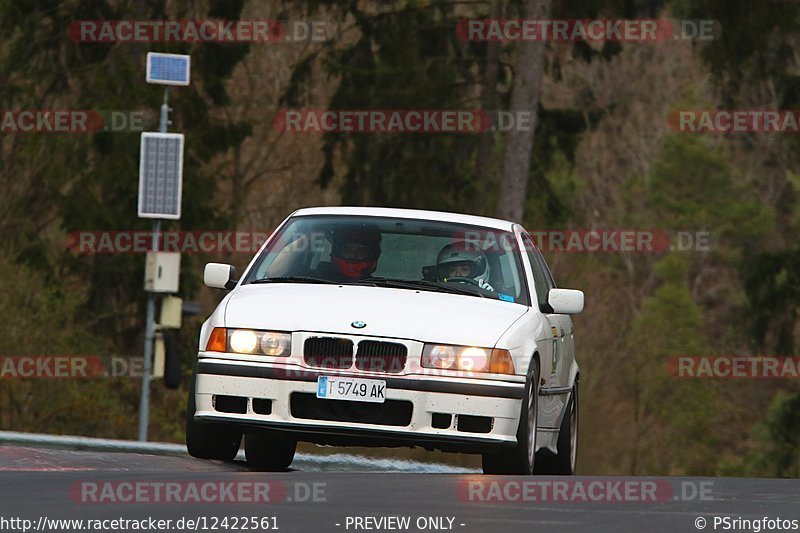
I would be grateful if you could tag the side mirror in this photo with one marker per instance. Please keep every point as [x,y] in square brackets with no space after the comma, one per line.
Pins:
[565,301]
[220,276]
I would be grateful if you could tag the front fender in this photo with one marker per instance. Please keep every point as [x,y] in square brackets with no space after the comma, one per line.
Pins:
[216,320]
[524,338]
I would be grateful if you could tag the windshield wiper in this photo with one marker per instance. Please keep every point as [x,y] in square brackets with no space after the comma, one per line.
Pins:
[293,279]
[375,282]
[419,284]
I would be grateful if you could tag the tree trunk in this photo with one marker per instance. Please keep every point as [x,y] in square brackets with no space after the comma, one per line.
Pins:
[528,72]
[484,162]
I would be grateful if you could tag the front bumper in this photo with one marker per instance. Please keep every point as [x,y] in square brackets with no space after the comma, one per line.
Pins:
[405,419]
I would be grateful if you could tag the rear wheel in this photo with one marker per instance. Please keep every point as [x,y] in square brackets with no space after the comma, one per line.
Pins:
[206,440]
[269,449]
[563,463]
[521,458]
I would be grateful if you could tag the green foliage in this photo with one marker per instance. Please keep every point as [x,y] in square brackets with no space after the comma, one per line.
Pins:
[41,318]
[776,443]
[673,419]
[385,69]
[90,182]
[753,52]
[558,135]
[693,187]
[58,184]
[772,282]
[755,44]
[405,54]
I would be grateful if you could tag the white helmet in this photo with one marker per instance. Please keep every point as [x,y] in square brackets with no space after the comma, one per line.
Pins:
[462,252]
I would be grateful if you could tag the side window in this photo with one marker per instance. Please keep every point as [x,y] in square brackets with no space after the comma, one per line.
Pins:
[542,278]
[548,275]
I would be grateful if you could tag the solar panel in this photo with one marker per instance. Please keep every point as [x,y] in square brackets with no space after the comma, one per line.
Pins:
[168,69]
[160,175]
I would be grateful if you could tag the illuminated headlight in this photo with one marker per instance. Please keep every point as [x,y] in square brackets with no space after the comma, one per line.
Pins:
[249,341]
[475,359]
[243,341]
[467,358]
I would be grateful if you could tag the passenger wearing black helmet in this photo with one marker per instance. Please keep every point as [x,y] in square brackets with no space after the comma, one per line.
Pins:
[354,253]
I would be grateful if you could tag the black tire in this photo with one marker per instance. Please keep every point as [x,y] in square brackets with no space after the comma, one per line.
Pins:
[206,440]
[564,462]
[521,459]
[269,450]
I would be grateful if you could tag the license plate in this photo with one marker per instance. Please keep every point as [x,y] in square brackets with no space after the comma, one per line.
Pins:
[352,389]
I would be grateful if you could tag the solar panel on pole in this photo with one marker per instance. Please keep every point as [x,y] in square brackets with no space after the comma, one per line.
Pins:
[168,69]
[160,183]
[160,175]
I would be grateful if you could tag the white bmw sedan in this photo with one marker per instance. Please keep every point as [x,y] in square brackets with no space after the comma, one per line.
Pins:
[390,327]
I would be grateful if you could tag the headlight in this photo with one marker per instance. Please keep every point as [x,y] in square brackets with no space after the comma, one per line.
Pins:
[467,358]
[476,359]
[243,341]
[438,356]
[250,341]
[275,343]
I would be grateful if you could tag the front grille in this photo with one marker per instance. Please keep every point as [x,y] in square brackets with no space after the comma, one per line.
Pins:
[328,352]
[390,413]
[381,356]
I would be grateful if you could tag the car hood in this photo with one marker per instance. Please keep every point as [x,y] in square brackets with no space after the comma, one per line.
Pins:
[408,314]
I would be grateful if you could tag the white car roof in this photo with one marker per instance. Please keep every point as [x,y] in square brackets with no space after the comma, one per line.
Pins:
[494,223]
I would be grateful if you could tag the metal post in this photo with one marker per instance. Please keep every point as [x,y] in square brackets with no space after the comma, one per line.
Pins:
[149,332]
[162,127]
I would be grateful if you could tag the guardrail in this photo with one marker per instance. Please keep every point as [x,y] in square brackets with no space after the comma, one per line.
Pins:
[303,461]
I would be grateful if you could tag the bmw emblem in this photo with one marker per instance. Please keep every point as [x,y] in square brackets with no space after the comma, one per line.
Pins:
[358,324]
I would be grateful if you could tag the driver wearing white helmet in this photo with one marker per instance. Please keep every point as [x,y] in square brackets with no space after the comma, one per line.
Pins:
[457,263]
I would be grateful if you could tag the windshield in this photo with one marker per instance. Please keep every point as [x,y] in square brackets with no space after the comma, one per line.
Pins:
[394,252]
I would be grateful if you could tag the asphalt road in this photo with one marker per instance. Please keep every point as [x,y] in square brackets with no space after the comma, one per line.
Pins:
[43,484]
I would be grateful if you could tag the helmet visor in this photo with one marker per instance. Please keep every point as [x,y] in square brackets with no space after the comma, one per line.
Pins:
[457,269]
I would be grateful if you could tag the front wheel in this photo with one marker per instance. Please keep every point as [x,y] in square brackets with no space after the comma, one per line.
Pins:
[521,458]
[269,450]
[208,440]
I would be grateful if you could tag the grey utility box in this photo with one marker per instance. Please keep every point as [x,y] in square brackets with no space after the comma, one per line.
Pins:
[162,272]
